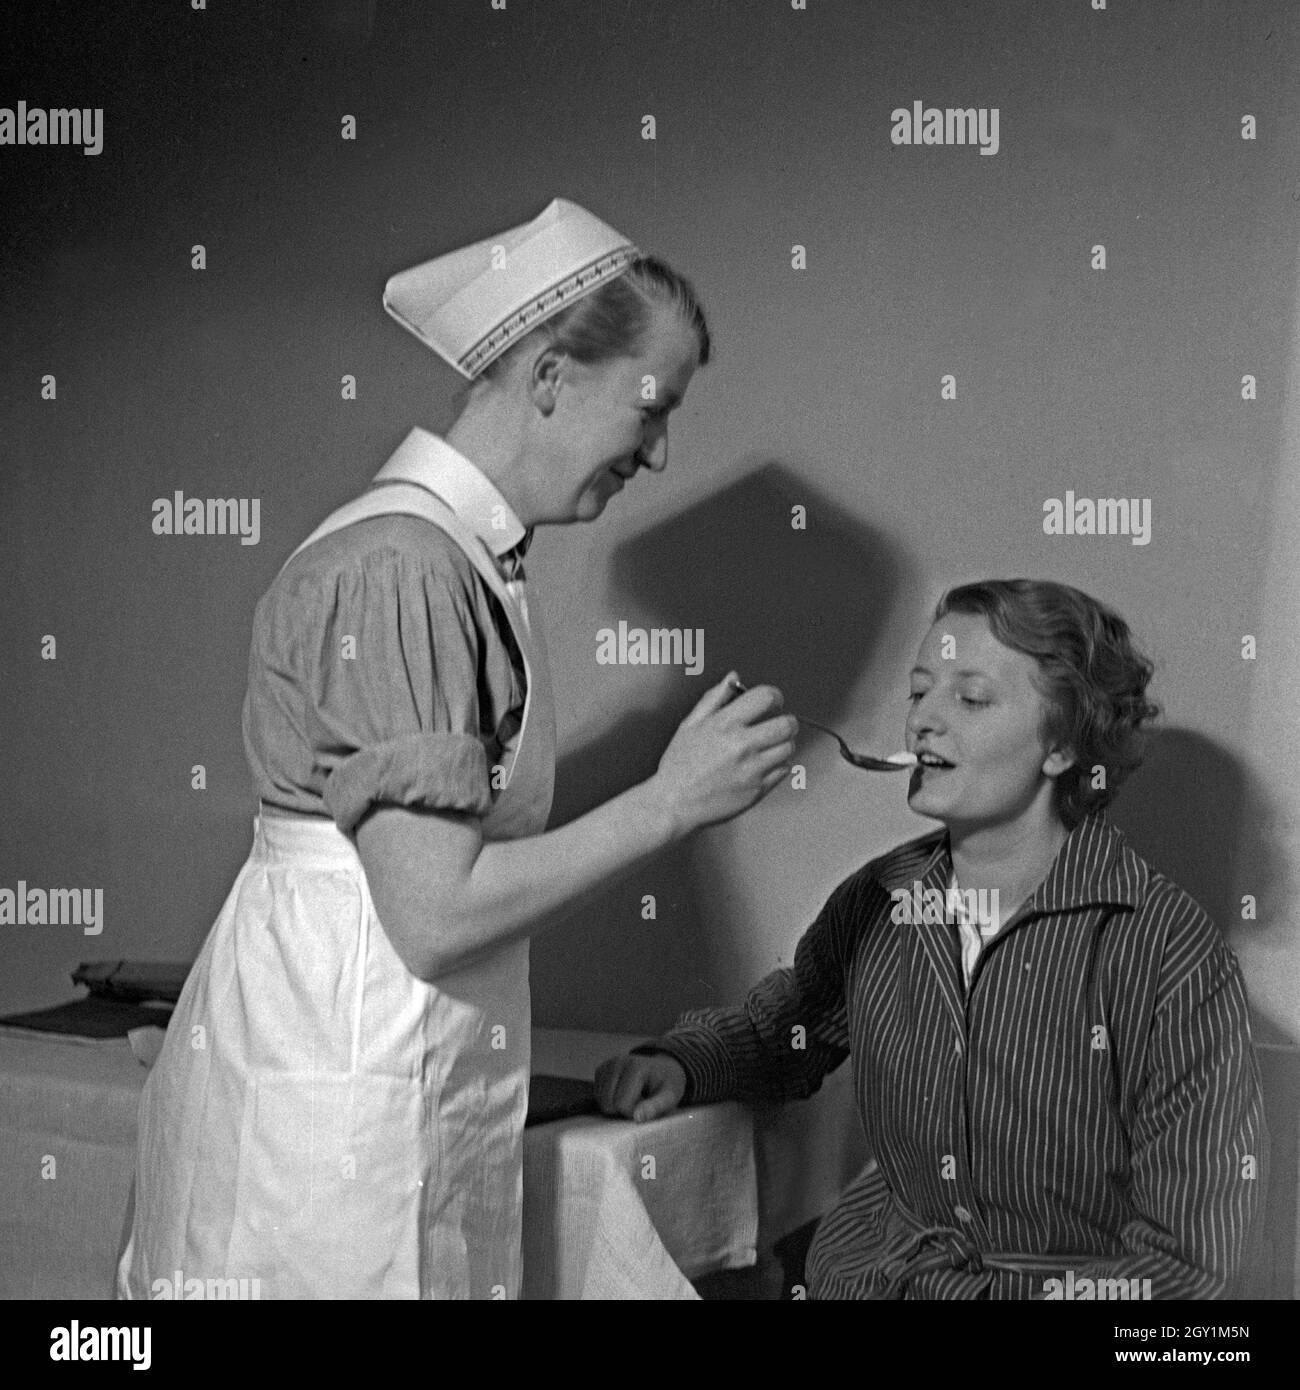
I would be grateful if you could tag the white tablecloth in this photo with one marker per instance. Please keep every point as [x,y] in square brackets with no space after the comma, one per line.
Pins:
[614,1209]
[611,1209]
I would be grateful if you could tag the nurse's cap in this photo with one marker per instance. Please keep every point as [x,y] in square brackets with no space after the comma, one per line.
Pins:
[470,305]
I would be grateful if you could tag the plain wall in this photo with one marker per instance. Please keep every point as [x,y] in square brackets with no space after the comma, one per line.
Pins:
[221,128]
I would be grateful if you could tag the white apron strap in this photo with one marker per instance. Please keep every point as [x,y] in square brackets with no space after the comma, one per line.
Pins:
[530,774]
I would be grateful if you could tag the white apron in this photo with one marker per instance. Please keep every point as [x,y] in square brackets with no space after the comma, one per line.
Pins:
[319,1120]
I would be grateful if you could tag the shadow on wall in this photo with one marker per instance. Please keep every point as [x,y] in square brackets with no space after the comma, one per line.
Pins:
[797,608]
[801,609]
[1188,809]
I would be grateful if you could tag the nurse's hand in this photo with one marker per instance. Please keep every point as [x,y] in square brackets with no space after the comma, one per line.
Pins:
[728,753]
[640,1088]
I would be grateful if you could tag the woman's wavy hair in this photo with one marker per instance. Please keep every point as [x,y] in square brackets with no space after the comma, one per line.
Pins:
[1090,674]
[612,320]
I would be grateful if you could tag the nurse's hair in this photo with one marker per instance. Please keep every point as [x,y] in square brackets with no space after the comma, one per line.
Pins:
[1089,673]
[612,320]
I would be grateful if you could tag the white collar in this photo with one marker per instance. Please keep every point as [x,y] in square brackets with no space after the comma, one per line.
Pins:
[431,462]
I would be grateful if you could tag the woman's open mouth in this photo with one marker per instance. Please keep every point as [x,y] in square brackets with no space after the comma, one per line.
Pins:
[926,761]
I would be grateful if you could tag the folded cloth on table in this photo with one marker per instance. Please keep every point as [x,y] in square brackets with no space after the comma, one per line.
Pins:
[131,980]
[90,1020]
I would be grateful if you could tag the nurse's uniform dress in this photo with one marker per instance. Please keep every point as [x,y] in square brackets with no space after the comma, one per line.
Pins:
[319,1119]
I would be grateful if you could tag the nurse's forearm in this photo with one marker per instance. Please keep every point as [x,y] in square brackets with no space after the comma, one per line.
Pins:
[445,896]
[521,886]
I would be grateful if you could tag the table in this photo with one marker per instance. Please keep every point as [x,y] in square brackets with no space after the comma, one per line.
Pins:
[612,1209]
[725,1179]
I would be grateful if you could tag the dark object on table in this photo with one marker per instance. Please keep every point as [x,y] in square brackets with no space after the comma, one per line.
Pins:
[118,1000]
[131,981]
[91,1018]
[559,1098]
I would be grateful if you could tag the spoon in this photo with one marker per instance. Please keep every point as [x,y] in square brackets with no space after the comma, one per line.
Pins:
[896,762]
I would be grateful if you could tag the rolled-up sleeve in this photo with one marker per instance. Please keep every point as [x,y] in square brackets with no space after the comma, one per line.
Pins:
[392,656]
[792,1029]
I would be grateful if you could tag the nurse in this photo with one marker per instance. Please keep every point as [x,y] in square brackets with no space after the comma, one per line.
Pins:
[338,1108]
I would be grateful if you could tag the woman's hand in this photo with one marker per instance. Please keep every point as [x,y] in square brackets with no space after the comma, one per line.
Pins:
[640,1088]
[728,753]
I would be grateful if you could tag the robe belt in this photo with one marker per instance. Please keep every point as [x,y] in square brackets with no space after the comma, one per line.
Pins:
[923,1248]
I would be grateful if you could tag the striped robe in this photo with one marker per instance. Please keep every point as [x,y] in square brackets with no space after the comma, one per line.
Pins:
[1090,1106]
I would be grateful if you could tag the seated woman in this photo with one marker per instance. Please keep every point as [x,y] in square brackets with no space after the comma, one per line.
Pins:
[1063,1092]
